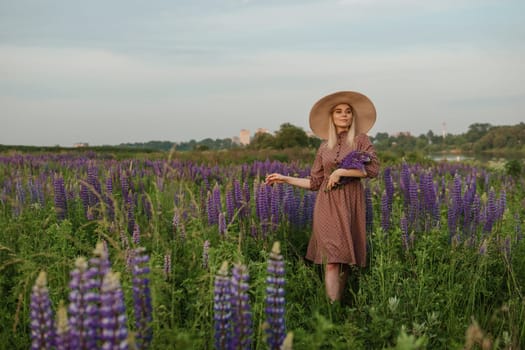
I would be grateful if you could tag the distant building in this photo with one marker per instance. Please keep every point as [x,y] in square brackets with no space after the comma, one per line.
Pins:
[236,140]
[80,144]
[244,137]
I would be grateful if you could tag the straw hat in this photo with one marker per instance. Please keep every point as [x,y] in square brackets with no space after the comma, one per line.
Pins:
[364,112]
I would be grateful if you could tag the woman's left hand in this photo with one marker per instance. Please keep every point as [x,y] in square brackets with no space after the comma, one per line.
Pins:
[334,178]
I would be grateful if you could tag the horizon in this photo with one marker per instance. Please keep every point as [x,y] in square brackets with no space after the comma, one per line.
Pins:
[107,73]
[232,137]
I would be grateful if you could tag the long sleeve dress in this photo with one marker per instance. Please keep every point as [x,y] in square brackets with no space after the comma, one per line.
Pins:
[338,229]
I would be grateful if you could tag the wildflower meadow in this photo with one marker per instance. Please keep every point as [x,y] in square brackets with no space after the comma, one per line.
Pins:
[160,252]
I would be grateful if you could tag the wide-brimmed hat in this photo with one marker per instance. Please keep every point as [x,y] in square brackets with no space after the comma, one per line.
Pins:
[364,112]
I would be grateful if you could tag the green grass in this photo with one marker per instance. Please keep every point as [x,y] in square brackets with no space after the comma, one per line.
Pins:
[426,297]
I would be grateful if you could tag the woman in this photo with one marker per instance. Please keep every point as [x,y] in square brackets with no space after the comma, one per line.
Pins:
[338,239]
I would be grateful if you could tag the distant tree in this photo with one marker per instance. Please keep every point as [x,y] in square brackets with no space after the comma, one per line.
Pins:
[262,140]
[381,137]
[314,142]
[290,136]
[476,131]
[201,147]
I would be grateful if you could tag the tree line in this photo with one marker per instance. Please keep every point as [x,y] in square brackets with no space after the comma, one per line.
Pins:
[480,137]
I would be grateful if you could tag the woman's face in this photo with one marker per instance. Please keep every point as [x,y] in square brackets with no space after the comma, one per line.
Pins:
[342,116]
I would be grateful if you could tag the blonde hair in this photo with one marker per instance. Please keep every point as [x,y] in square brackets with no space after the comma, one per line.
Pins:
[332,133]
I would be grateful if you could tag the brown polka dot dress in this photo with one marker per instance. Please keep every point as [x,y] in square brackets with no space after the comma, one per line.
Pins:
[339,232]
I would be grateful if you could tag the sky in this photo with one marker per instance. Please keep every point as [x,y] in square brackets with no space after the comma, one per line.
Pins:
[110,72]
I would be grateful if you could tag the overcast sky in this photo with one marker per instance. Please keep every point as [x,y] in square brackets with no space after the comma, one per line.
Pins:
[107,72]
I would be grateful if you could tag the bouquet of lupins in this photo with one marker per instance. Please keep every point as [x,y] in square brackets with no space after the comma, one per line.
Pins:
[353,160]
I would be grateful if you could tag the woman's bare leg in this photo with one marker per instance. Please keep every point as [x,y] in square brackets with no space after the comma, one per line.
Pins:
[336,276]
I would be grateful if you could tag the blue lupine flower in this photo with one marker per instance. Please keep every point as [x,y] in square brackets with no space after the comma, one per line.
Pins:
[241,310]
[142,297]
[222,308]
[42,327]
[113,324]
[63,337]
[60,197]
[275,300]
[82,315]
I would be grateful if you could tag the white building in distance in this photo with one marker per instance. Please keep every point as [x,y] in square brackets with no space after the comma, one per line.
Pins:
[244,137]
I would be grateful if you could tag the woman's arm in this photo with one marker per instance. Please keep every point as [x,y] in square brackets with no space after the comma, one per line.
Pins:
[294,181]
[336,175]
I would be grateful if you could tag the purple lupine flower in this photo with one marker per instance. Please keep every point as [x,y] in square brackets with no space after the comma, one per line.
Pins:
[147,206]
[42,328]
[205,254]
[63,338]
[275,199]
[263,206]
[455,207]
[142,297]
[130,206]
[491,213]
[124,185]
[60,197]
[20,192]
[99,265]
[413,206]
[167,266]
[431,199]
[216,198]
[33,191]
[475,213]
[178,225]
[94,184]
[247,198]
[114,330]
[230,206]
[501,204]
[37,192]
[241,310]
[353,160]
[456,193]
[108,198]
[389,186]
[275,301]
[237,194]
[222,308]
[84,198]
[405,180]
[211,209]
[82,316]
[385,213]
[468,203]
[109,184]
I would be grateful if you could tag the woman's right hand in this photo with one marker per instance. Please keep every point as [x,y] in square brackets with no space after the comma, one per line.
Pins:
[275,178]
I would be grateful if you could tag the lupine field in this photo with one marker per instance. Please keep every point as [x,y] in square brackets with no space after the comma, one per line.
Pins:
[164,253]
